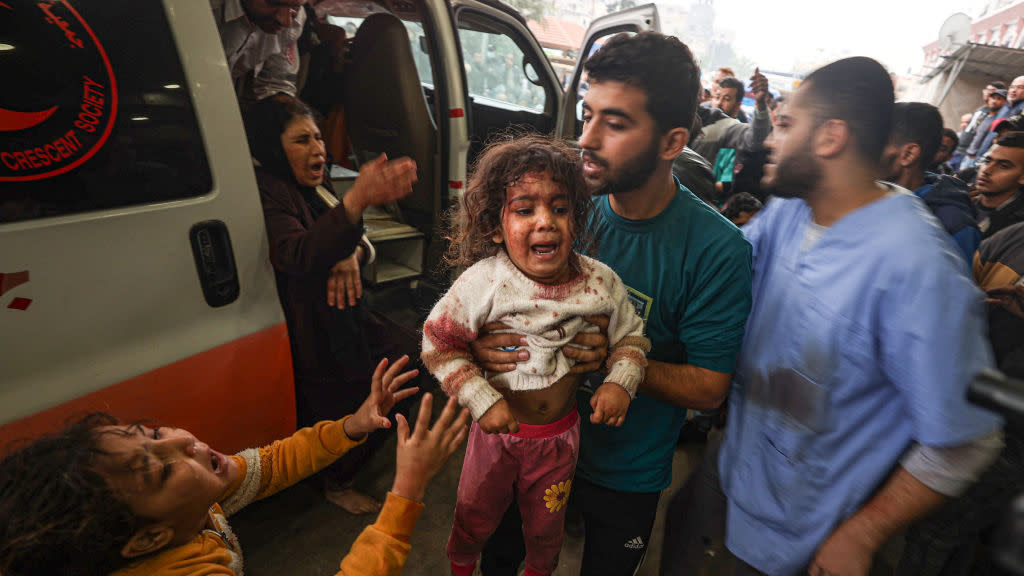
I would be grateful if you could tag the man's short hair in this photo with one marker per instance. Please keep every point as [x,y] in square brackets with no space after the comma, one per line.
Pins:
[661,66]
[918,123]
[1011,139]
[732,84]
[951,134]
[741,202]
[857,91]
[997,84]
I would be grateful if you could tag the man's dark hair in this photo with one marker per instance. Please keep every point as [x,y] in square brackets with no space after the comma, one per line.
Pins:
[661,66]
[732,84]
[950,133]
[997,84]
[741,202]
[918,123]
[58,513]
[857,91]
[1011,139]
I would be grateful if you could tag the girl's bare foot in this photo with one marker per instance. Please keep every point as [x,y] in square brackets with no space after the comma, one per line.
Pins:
[353,502]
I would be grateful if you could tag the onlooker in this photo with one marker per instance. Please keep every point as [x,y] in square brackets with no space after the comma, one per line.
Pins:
[687,272]
[1000,177]
[969,129]
[1014,105]
[848,415]
[721,138]
[260,39]
[730,97]
[716,84]
[995,102]
[916,133]
[740,208]
[941,162]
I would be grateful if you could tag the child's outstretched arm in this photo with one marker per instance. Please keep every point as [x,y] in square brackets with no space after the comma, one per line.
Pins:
[272,468]
[383,548]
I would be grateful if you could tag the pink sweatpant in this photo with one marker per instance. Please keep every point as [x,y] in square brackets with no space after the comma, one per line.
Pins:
[535,464]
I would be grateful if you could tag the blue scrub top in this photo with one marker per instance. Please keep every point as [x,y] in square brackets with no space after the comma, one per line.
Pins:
[854,349]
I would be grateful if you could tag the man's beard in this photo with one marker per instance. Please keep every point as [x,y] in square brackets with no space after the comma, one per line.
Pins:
[631,175]
[797,176]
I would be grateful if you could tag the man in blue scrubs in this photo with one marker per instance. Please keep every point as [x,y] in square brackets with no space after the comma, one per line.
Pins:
[848,417]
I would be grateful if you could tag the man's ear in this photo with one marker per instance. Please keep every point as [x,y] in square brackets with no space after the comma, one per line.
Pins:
[147,540]
[831,138]
[673,142]
[910,154]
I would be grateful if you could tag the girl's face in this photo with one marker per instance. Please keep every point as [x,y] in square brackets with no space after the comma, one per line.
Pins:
[304,147]
[536,228]
[167,475]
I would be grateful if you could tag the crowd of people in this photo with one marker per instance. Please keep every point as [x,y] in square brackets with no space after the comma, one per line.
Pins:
[604,291]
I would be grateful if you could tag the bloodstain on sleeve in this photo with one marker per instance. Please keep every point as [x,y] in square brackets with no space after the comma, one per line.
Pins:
[446,333]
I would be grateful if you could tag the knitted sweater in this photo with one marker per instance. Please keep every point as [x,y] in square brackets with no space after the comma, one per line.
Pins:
[548,316]
[381,549]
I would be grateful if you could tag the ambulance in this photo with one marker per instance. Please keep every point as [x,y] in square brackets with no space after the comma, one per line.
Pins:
[134,269]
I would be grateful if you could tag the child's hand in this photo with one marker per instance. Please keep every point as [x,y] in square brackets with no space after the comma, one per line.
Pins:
[422,453]
[498,419]
[383,396]
[610,402]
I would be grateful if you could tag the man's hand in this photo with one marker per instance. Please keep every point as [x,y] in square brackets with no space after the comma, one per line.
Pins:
[345,286]
[384,394]
[1009,297]
[498,419]
[589,349]
[380,181]
[843,554]
[486,353]
[610,402]
[423,452]
[759,87]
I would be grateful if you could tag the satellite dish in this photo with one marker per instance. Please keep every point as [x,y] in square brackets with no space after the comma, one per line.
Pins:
[954,32]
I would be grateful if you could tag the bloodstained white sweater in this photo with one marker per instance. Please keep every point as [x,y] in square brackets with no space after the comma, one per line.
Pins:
[548,316]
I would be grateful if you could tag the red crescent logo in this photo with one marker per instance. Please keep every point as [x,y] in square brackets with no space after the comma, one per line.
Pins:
[13,120]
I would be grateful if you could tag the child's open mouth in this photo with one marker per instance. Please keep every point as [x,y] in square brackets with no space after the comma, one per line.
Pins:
[544,249]
[216,461]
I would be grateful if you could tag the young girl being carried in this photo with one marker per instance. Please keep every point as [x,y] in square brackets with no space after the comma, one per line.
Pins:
[525,209]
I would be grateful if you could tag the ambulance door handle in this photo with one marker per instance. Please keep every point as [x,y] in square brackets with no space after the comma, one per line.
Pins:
[215,262]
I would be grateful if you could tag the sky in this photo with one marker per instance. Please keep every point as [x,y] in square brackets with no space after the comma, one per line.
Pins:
[893,32]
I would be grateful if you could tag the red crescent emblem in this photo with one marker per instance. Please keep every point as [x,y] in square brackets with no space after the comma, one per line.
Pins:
[11,120]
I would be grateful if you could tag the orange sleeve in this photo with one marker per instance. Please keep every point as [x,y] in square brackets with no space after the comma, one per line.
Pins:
[383,547]
[306,452]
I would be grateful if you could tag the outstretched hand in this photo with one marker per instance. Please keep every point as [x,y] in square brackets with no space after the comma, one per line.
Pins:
[759,87]
[384,394]
[380,181]
[423,451]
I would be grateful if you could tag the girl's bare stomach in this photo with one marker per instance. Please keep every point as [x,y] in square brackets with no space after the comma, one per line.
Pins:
[543,406]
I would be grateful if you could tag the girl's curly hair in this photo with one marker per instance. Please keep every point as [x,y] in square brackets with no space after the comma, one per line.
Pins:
[473,222]
[58,512]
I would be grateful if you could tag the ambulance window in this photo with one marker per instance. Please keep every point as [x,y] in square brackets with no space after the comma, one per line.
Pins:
[99,115]
[497,69]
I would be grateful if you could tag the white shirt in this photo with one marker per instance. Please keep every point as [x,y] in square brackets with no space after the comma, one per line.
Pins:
[272,58]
